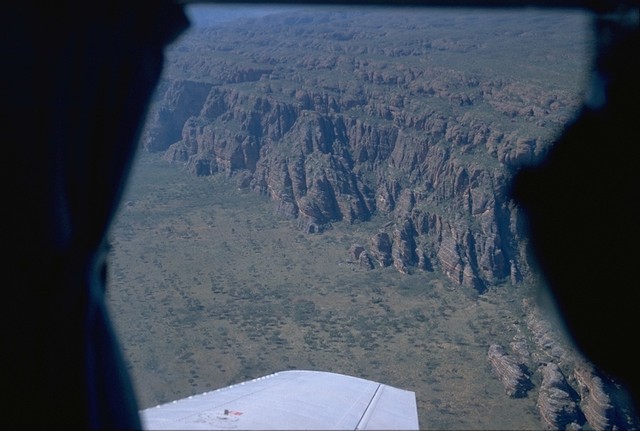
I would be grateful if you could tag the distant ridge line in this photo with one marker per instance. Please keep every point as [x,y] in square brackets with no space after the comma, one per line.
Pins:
[596,5]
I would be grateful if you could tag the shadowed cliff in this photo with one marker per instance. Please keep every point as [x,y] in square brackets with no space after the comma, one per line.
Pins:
[339,116]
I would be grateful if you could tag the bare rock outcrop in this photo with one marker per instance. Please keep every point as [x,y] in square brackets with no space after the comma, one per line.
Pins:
[179,100]
[550,345]
[595,403]
[315,165]
[403,250]
[381,249]
[556,400]
[338,124]
[359,255]
[572,394]
[340,130]
[513,374]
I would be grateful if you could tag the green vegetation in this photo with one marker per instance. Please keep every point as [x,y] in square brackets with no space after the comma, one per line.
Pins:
[208,288]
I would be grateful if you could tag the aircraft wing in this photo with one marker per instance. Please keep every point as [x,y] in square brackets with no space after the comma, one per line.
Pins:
[291,400]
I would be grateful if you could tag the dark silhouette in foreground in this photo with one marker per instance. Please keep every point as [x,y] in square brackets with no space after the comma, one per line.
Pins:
[583,209]
[76,83]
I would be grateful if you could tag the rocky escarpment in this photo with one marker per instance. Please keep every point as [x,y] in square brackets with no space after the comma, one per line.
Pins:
[556,401]
[513,374]
[339,126]
[569,392]
[384,120]
[595,402]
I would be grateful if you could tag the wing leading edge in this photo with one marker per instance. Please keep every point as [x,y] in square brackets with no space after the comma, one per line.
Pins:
[294,399]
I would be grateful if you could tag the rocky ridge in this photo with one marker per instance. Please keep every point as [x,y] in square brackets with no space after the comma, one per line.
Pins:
[513,374]
[569,392]
[349,117]
[339,126]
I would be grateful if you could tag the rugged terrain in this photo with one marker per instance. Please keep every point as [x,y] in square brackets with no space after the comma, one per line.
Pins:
[338,116]
[348,211]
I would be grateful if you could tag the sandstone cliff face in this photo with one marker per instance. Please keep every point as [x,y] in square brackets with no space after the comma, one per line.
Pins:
[449,209]
[513,374]
[596,404]
[337,128]
[568,391]
[339,125]
[555,401]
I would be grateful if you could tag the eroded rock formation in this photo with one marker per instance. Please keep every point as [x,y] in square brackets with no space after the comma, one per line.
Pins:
[339,129]
[595,402]
[569,391]
[337,122]
[556,401]
[513,375]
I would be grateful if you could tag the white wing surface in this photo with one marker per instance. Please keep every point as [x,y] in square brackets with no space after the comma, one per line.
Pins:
[291,400]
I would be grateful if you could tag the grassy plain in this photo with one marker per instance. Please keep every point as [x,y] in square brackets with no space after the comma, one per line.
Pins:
[208,288]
